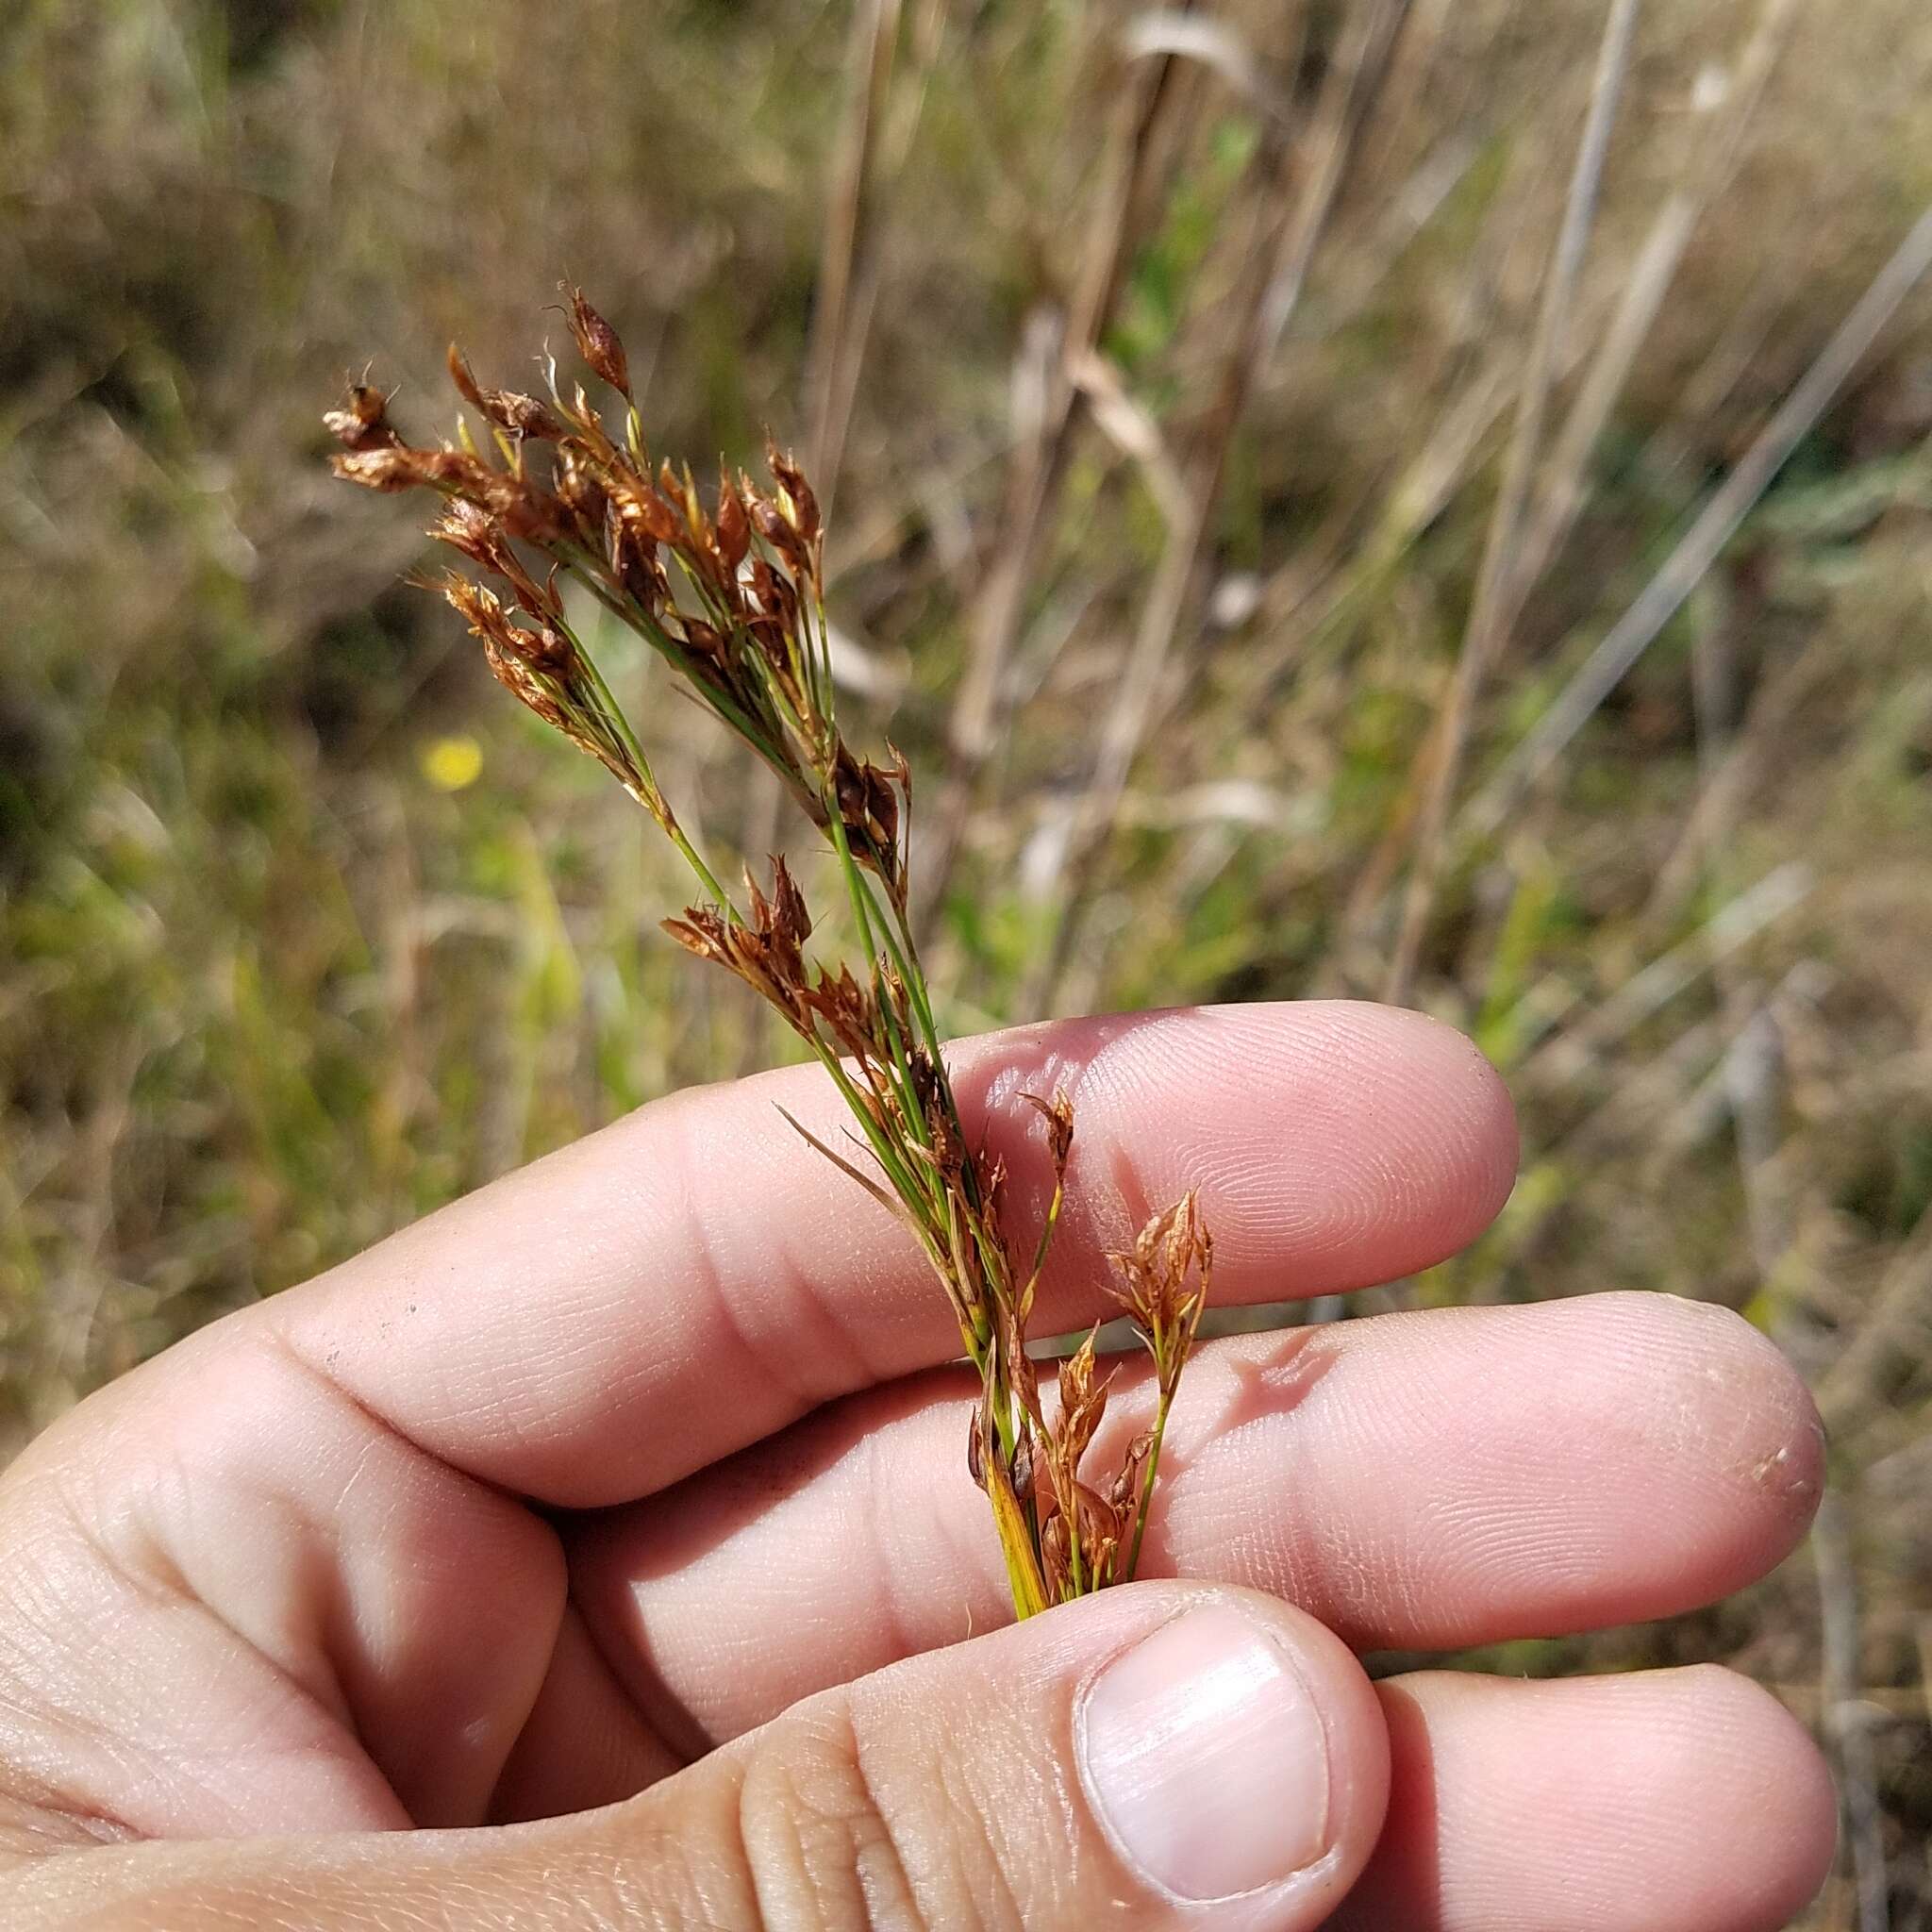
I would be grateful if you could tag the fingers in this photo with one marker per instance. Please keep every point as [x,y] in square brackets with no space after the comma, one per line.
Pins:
[1416,1482]
[572,1332]
[1137,1759]
[1677,1800]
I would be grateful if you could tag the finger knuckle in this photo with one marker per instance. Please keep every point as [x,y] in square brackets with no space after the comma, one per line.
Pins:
[835,1843]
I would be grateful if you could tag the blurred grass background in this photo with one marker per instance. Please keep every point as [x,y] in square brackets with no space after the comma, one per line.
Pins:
[1234,474]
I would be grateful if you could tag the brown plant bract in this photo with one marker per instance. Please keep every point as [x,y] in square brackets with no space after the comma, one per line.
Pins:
[732,598]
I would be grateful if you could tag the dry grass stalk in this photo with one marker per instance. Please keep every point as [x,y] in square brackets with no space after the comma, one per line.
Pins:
[1710,160]
[1709,163]
[1043,443]
[1896,1329]
[871,149]
[1843,1712]
[732,598]
[1704,541]
[1500,584]
[1753,1079]
[1305,182]
[837,336]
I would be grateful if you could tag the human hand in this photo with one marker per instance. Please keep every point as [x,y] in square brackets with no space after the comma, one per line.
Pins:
[637,1482]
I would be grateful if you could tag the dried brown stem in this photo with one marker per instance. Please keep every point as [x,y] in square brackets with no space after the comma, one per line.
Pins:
[1500,585]
[1304,182]
[1045,375]
[1704,541]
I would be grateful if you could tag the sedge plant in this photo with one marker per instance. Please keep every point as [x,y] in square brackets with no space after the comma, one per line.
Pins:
[731,596]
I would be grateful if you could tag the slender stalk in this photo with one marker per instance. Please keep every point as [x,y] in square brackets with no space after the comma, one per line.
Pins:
[1296,188]
[1047,1228]
[672,830]
[1148,1477]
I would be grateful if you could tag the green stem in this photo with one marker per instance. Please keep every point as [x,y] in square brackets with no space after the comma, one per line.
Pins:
[914,976]
[862,912]
[1147,1484]
[1046,1234]
[895,1170]
[665,817]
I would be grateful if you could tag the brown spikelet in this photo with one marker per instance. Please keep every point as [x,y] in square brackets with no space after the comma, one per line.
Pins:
[1153,1281]
[524,416]
[1124,1494]
[580,490]
[734,527]
[765,949]
[362,421]
[1083,1401]
[520,415]
[480,608]
[597,342]
[770,524]
[1055,1551]
[538,647]
[644,510]
[466,384]
[396,467]
[1058,1115]
[386,467]
[1092,1526]
[517,678]
[703,930]
[802,507]
[468,527]
[848,1012]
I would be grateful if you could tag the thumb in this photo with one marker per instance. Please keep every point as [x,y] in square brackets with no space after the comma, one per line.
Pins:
[1102,1764]
[1154,1751]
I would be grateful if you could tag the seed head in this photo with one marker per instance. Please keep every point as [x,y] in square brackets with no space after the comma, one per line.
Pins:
[395,467]
[799,505]
[597,342]
[520,415]
[362,421]
[847,1010]
[765,950]
[1058,1115]
[645,511]
[1083,1401]
[386,467]
[1163,1284]
[580,490]
[734,527]
[473,531]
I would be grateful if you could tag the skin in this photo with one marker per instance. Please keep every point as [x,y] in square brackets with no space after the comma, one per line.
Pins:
[601,1553]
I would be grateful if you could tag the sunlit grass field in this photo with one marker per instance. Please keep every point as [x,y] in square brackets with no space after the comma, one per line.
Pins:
[1235,478]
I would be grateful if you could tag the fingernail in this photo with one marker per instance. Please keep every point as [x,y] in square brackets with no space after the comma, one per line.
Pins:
[1205,1759]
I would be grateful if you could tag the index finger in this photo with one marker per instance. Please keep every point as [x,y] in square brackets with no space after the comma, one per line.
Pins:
[691,1279]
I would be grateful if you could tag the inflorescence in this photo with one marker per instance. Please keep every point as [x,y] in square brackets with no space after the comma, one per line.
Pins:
[732,598]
